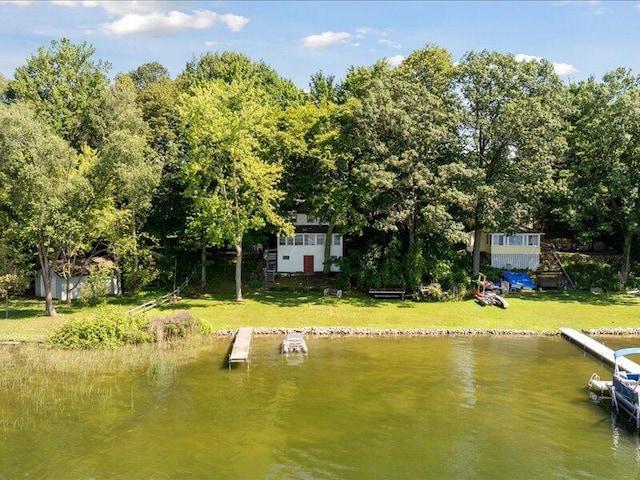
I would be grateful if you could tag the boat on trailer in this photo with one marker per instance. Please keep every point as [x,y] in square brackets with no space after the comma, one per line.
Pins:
[294,343]
[625,388]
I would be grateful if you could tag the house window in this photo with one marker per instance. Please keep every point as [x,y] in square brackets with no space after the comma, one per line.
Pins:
[309,239]
[516,240]
[320,239]
[532,240]
[299,239]
[282,240]
[310,218]
[498,239]
[289,240]
[293,217]
[337,239]
[285,257]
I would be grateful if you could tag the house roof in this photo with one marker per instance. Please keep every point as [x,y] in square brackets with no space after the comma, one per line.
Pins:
[82,266]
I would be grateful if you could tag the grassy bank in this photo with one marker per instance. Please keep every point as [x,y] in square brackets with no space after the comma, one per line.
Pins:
[540,312]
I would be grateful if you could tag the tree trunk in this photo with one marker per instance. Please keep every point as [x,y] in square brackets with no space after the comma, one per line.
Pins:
[626,258]
[477,238]
[67,283]
[203,266]
[116,261]
[327,248]
[48,269]
[134,234]
[239,268]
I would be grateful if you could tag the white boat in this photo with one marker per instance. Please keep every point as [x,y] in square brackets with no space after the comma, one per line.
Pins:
[600,389]
[625,388]
[294,342]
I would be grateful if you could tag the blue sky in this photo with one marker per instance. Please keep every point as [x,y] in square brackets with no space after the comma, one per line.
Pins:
[582,38]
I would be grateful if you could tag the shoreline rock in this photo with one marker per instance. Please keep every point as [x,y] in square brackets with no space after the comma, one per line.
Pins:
[392,332]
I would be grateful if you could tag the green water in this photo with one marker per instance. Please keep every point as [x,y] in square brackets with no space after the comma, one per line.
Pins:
[354,408]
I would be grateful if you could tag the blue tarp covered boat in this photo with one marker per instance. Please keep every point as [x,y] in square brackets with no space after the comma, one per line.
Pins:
[518,280]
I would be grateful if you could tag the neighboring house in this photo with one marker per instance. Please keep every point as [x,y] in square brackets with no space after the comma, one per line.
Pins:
[81,271]
[304,252]
[519,250]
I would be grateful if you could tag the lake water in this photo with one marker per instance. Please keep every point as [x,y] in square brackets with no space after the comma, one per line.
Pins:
[353,408]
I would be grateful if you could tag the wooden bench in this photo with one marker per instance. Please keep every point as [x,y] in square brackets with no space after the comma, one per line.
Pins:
[332,292]
[387,293]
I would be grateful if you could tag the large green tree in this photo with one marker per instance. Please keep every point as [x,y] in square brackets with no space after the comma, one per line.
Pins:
[45,188]
[513,135]
[318,165]
[67,89]
[232,178]
[130,174]
[604,159]
[404,134]
[230,66]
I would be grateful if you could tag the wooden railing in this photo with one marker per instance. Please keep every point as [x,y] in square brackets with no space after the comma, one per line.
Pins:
[173,296]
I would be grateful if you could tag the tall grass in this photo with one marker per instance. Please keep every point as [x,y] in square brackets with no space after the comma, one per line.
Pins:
[39,382]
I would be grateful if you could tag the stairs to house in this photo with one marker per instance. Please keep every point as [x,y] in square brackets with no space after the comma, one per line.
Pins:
[271,265]
[551,273]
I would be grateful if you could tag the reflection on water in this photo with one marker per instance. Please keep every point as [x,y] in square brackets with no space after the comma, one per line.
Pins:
[353,408]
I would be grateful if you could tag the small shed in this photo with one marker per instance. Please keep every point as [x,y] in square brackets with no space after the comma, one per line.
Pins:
[520,250]
[80,273]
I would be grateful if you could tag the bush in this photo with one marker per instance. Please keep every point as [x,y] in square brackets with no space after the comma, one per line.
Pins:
[433,293]
[586,273]
[96,289]
[176,325]
[107,328]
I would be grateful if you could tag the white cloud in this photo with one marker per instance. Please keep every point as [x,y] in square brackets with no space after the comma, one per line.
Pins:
[159,23]
[561,69]
[122,8]
[75,3]
[17,3]
[234,23]
[389,43]
[395,60]
[521,57]
[326,39]
[155,17]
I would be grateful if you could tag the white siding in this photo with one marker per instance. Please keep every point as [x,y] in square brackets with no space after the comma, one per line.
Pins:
[59,287]
[519,261]
[291,256]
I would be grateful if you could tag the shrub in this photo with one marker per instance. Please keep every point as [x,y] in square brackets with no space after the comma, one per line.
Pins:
[434,293]
[96,288]
[586,273]
[107,328]
[180,324]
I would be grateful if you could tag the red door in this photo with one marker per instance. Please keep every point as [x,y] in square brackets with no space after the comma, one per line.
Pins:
[308,263]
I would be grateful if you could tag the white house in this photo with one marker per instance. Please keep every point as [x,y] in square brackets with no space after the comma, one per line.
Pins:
[79,277]
[305,251]
[520,250]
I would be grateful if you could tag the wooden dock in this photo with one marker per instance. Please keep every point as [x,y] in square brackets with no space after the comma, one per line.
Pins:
[598,350]
[241,351]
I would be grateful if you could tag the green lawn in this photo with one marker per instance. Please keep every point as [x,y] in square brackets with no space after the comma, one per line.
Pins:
[539,312]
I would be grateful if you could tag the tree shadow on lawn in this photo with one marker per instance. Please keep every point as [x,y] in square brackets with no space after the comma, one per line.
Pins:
[290,299]
[601,299]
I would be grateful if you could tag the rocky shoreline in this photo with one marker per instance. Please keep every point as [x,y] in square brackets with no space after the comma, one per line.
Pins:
[421,332]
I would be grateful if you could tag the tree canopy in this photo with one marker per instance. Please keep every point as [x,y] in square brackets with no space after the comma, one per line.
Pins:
[406,160]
